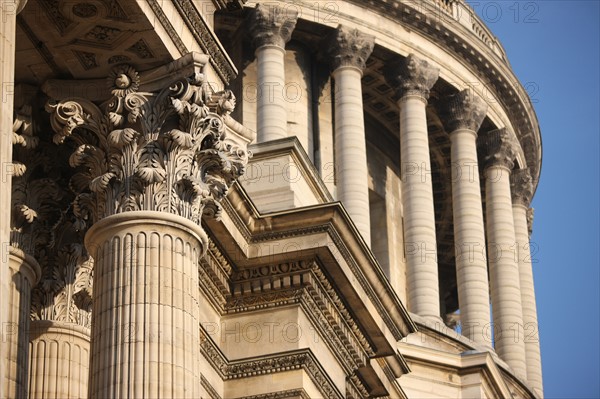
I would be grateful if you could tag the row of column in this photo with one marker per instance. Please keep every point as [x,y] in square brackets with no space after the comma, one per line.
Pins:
[510,278]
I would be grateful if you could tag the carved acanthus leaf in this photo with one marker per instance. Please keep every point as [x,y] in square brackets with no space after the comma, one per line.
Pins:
[349,47]
[272,24]
[168,151]
[497,148]
[463,110]
[412,76]
[34,197]
[521,187]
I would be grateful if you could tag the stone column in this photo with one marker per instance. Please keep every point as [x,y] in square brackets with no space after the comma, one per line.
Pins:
[143,185]
[59,335]
[522,192]
[24,274]
[8,10]
[413,78]
[59,360]
[271,27]
[498,152]
[462,115]
[145,334]
[348,52]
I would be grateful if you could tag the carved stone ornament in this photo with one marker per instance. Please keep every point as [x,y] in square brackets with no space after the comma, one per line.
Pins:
[349,47]
[35,197]
[521,187]
[530,216]
[272,24]
[497,148]
[169,151]
[463,110]
[412,76]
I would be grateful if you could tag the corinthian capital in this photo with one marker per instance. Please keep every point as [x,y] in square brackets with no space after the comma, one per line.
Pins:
[169,151]
[497,148]
[272,25]
[530,215]
[521,187]
[463,110]
[349,47]
[412,76]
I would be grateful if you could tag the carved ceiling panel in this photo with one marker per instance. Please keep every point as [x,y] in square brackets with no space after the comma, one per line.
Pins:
[84,39]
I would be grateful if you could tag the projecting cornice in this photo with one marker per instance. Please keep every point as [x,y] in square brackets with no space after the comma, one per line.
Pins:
[253,232]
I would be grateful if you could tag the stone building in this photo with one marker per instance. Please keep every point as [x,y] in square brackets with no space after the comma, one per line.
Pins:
[302,199]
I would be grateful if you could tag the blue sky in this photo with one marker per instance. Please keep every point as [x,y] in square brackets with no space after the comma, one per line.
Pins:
[553,47]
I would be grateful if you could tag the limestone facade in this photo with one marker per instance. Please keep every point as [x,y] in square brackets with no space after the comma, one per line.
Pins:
[234,199]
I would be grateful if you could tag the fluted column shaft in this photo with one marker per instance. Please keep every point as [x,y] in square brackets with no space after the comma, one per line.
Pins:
[59,360]
[8,10]
[463,115]
[504,269]
[271,28]
[414,78]
[24,274]
[145,334]
[522,192]
[348,51]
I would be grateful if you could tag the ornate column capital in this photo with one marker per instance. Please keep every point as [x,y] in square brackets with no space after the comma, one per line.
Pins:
[272,25]
[412,76]
[497,148]
[521,187]
[530,216]
[463,110]
[349,47]
[169,151]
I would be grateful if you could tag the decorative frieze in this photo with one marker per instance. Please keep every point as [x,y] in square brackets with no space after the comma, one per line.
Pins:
[497,148]
[463,110]
[272,25]
[412,76]
[349,47]
[302,359]
[169,151]
[521,187]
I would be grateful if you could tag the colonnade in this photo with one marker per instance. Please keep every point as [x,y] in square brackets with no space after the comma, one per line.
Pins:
[120,241]
[509,283]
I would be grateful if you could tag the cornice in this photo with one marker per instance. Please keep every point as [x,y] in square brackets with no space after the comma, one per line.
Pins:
[206,39]
[302,359]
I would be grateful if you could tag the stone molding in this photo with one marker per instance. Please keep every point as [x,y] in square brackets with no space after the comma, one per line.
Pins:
[167,151]
[302,359]
[206,39]
[463,110]
[272,25]
[497,148]
[521,187]
[348,47]
[412,76]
